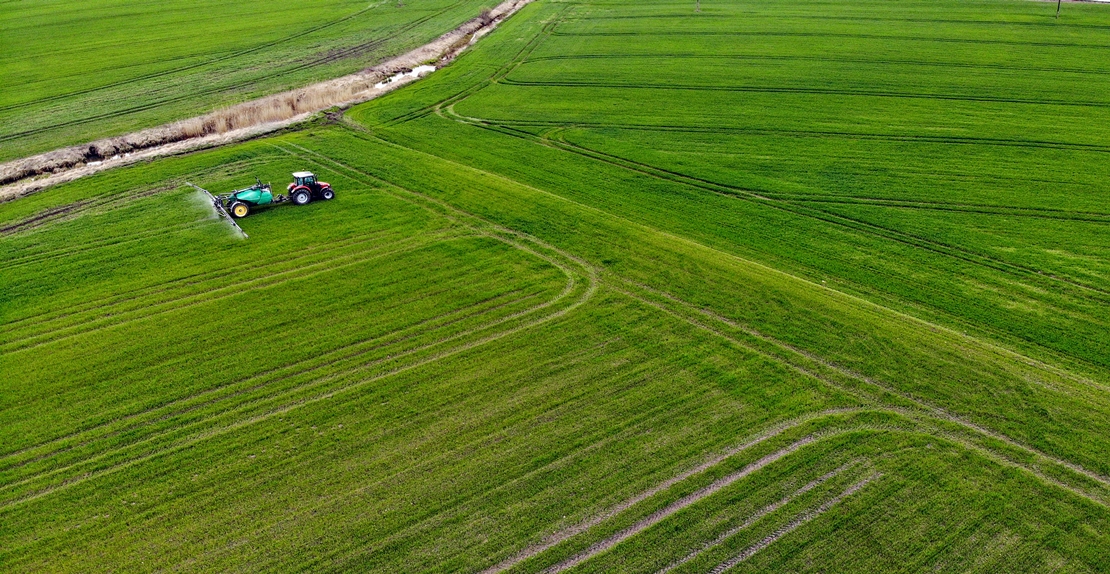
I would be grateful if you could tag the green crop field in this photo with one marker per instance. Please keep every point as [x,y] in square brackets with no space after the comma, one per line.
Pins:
[770,287]
[75,71]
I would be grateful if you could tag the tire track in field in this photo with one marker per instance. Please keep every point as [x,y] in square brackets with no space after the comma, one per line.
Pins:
[558,537]
[672,508]
[319,383]
[1086,290]
[1103,481]
[778,430]
[449,112]
[1078,288]
[656,411]
[955,207]
[106,243]
[324,393]
[265,258]
[811,365]
[157,422]
[756,516]
[215,295]
[517,322]
[1054,25]
[501,72]
[794,524]
[1082,289]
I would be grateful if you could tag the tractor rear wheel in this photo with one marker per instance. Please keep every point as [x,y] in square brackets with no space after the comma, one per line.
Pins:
[327,193]
[239,210]
[301,197]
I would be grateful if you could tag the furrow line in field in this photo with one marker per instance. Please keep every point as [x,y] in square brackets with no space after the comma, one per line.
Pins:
[105,243]
[513,241]
[658,410]
[264,401]
[501,72]
[995,346]
[1084,289]
[158,426]
[989,344]
[954,207]
[794,524]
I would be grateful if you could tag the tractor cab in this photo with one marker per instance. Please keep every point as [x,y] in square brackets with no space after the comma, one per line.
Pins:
[306,187]
[306,178]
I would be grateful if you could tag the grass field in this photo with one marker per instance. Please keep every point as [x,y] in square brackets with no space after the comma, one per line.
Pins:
[772,287]
[80,71]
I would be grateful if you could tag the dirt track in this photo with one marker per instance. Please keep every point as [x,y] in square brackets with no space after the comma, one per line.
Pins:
[71,163]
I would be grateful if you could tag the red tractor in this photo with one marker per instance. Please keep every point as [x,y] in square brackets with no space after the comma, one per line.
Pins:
[305,188]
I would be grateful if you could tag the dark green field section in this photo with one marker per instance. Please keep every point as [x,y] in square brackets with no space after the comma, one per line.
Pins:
[772,287]
[78,71]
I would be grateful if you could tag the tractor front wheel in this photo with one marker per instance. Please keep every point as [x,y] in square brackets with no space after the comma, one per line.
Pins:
[239,210]
[301,197]
[327,193]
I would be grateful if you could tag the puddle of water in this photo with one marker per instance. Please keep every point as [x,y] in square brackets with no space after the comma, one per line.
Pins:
[415,73]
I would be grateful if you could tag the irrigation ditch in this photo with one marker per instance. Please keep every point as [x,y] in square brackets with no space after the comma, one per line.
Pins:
[246,120]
